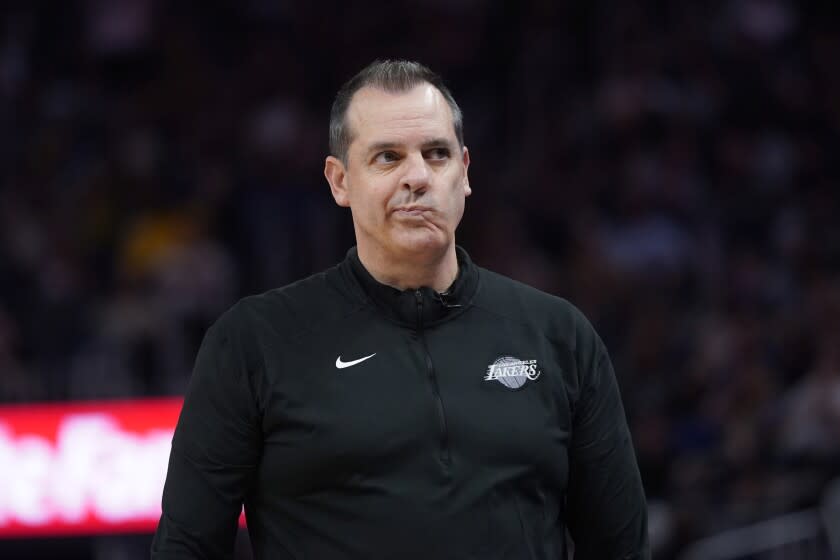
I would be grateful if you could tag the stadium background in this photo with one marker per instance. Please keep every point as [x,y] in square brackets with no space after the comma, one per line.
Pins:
[671,168]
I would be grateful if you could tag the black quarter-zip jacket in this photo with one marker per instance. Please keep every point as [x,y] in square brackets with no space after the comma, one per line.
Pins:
[357,421]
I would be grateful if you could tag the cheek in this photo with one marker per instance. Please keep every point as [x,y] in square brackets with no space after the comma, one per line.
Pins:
[370,200]
[457,197]
[458,210]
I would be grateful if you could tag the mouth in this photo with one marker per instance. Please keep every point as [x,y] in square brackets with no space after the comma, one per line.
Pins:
[411,210]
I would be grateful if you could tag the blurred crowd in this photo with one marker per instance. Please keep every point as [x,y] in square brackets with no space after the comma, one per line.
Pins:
[670,168]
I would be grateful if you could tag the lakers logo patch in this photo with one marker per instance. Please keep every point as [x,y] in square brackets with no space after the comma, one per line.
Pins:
[512,372]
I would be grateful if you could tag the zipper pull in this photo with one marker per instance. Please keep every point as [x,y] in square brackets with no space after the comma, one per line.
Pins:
[418,295]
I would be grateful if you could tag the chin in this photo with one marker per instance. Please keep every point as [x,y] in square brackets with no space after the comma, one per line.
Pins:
[423,244]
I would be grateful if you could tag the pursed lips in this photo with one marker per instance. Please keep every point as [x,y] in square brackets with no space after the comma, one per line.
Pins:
[411,210]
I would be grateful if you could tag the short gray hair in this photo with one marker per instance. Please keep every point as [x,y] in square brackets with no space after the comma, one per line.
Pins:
[393,76]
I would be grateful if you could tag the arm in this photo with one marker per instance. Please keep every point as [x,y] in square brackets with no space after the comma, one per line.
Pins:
[606,509]
[215,450]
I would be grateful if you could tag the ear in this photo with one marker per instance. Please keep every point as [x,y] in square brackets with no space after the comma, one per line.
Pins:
[466,158]
[337,178]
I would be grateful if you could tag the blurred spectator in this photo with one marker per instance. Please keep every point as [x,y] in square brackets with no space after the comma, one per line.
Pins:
[811,426]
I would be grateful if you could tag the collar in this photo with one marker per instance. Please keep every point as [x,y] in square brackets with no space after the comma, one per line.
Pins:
[414,307]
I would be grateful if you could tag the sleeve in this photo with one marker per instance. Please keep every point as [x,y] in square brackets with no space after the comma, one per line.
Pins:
[606,507]
[215,450]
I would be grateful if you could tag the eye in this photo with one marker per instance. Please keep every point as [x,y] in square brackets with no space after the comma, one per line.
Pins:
[438,153]
[386,157]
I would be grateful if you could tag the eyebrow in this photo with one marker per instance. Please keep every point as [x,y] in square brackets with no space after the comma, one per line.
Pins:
[427,144]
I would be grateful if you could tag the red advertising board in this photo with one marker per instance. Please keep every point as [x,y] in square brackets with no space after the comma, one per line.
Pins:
[84,468]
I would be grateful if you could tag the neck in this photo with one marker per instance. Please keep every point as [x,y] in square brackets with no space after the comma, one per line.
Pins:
[434,271]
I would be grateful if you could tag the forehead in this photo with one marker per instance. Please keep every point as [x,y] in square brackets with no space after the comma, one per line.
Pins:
[378,115]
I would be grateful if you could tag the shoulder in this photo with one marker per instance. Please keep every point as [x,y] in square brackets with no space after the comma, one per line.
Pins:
[556,317]
[523,303]
[293,309]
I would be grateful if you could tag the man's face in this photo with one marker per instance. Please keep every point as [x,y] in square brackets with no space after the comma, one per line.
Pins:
[406,176]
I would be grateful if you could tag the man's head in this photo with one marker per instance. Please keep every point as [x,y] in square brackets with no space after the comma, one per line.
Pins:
[398,162]
[394,76]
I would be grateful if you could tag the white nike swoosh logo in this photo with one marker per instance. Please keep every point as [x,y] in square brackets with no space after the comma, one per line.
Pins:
[341,365]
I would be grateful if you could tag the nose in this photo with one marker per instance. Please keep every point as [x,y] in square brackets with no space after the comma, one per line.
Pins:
[417,175]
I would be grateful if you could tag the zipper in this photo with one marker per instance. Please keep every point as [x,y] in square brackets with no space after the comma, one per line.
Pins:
[445,455]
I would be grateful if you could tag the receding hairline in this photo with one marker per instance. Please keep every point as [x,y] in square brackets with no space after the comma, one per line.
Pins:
[390,76]
[349,114]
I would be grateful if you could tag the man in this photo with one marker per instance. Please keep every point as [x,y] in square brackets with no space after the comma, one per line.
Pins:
[405,403]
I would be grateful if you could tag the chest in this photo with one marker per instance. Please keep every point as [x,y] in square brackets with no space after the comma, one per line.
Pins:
[371,399]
